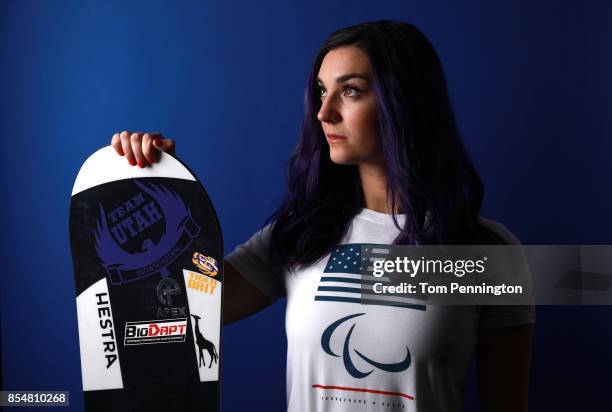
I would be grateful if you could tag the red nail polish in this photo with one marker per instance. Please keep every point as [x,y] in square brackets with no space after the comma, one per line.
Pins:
[141,164]
[157,142]
[132,162]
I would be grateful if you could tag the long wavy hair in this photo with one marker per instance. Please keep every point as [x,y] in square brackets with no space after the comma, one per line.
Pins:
[430,177]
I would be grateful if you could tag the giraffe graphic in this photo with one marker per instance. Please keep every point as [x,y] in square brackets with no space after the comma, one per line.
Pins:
[204,344]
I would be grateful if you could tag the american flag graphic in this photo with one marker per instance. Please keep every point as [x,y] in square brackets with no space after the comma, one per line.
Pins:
[348,278]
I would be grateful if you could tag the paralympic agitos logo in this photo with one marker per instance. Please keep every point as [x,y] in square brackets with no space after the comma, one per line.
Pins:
[346,351]
[128,224]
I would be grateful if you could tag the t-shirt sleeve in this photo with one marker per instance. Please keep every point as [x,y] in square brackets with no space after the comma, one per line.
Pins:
[500,316]
[251,259]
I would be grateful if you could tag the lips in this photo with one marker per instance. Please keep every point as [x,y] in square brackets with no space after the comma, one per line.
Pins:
[336,138]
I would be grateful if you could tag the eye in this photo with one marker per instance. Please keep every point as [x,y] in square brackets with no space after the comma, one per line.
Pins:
[322,92]
[351,91]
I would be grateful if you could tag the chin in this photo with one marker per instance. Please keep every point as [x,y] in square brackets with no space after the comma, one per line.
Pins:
[343,160]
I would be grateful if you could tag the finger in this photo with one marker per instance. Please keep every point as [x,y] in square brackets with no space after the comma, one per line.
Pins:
[127,147]
[164,145]
[116,144]
[136,141]
[147,148]
[154,146]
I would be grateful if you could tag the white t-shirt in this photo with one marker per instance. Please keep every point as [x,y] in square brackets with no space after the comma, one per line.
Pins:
[347,356]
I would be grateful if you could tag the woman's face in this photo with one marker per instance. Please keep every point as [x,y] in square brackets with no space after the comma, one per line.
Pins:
[348,108]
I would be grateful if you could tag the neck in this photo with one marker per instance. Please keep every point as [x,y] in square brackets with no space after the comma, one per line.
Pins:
[374,186]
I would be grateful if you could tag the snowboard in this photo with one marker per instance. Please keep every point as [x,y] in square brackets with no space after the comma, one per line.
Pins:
[147,252]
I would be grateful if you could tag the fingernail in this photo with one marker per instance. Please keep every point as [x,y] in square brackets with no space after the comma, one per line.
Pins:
[141,164]
[132,162]
[157,142]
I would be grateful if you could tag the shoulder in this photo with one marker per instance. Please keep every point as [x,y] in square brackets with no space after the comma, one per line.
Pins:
[500,230]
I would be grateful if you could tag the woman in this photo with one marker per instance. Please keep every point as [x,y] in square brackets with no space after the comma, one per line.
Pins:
[379,161]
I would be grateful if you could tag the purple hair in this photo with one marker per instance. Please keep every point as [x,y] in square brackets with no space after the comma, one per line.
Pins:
[430,177]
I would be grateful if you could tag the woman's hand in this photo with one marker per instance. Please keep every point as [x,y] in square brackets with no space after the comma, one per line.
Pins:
[141,149]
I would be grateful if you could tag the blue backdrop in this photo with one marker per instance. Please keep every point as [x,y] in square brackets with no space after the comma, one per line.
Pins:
[530,86]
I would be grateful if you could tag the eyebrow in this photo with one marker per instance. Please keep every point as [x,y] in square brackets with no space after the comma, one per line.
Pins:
[348,76]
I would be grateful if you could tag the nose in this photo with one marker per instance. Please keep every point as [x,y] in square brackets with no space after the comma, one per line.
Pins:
[328,112]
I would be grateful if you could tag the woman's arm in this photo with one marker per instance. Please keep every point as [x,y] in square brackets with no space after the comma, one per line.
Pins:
[240,297]
[503,359]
